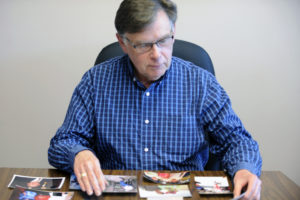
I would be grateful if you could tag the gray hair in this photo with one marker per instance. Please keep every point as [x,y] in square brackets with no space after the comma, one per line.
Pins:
[134,15]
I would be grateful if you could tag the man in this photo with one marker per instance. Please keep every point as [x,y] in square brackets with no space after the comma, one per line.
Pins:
[149,110]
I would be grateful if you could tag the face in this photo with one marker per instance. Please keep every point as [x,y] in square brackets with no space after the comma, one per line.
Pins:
[33,184]
[152,64]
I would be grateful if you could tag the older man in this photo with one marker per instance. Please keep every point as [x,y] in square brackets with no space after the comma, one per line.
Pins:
[149,110]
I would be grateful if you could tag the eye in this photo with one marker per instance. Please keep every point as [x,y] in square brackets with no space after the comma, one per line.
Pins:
[144,45]
[163,41]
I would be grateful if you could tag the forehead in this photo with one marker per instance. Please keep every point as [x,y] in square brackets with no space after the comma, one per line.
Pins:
[160,27]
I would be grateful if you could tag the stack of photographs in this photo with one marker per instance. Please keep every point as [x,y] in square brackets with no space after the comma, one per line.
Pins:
[29,187]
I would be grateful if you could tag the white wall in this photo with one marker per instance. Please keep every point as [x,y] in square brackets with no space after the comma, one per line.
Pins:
[46,46]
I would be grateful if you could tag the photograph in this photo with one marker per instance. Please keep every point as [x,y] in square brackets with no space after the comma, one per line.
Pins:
[116,184]
[212,185]
[31,182]
[164,191]
[168,177]
[28,194]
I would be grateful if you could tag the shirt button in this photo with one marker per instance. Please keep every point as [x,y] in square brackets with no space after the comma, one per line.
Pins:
[146,149]
[147,121]
[147,94]
[134,79]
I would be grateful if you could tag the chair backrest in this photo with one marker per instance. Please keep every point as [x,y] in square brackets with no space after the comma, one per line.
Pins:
[182,49]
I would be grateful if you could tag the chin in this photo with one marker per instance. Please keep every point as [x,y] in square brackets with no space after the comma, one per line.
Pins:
[156,77]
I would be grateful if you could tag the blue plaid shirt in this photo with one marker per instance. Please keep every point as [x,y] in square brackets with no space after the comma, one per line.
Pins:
[163,127]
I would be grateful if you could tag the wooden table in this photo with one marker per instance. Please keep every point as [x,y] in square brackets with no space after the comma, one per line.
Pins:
[275,184]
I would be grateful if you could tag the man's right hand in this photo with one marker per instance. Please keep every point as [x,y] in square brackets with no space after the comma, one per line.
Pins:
[88,172]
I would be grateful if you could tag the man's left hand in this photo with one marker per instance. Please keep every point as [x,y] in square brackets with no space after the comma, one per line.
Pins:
[244,179]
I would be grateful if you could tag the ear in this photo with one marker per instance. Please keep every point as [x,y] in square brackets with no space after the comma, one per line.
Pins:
[174,30]
[121,42]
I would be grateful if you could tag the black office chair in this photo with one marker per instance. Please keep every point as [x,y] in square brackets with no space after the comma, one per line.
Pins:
[184,50]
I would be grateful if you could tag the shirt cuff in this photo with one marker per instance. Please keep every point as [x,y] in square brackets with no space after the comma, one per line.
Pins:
[248,166]
[74,151]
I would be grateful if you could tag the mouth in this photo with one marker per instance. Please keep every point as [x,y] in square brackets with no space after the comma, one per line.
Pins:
[155,66]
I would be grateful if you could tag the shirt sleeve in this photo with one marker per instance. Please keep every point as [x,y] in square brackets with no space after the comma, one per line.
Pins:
[228,137]
[77,131]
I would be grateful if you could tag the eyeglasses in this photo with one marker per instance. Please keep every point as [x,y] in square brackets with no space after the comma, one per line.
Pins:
[165,42]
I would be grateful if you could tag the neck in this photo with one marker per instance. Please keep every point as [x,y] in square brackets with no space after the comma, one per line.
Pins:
[143,80]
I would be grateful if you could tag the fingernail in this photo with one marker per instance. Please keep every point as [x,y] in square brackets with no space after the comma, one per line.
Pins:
[98,193]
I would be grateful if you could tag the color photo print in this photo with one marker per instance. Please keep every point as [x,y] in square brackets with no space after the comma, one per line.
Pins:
[24,194]
[167,177]
[37,183]
[212,185]
[163,191]
[116,184]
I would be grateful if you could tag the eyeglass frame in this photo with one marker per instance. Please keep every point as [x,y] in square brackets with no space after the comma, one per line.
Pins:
[148,44]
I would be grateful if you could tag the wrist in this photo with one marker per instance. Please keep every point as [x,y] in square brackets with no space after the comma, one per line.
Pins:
[74,151]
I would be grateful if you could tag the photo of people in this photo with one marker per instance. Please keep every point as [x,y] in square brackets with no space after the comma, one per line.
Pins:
[40,183]
[167,177]
[116,184]
[212,185]
[28,194]
[121,184]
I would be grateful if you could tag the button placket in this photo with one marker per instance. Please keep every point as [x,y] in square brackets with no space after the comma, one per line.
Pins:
[145,145]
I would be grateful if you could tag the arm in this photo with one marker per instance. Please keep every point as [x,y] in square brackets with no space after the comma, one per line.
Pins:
[228,137]
[77,132]
[71,149]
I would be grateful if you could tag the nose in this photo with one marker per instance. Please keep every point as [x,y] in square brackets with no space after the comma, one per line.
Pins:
[155,52]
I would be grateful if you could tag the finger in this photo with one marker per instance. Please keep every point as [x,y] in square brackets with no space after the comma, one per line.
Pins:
[86,182]
[258,196]
[237,189]
[94,183]
[249,192]
[256,192]
[252,188]
[83,177]
[97,178]
[78,170]
[101,178]
[78,177]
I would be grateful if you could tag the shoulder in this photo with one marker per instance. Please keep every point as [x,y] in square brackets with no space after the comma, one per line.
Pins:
[186,68]
[111,67]
[105,71]
[197,78]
